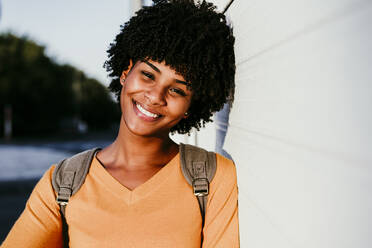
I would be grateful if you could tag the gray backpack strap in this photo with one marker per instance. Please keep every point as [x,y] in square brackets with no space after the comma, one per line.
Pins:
[198,167]
[70,174]
[68,177]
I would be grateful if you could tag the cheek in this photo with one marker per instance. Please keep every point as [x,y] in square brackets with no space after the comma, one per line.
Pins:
[179,107]
[130,87]
[125,96]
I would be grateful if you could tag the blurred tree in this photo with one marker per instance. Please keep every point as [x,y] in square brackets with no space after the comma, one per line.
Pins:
[96,107]
[44,94]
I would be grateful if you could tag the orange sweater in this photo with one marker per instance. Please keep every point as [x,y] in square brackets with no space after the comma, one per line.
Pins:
[162,212]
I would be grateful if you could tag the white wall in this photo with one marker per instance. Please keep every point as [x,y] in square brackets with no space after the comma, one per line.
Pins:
[205,138]
[300,126]
[135,5]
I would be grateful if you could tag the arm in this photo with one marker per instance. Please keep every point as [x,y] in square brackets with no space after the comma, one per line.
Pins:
[221,224]
[40,223]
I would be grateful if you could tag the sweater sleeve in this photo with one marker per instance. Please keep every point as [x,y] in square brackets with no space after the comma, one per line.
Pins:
[221,221]
[40,223]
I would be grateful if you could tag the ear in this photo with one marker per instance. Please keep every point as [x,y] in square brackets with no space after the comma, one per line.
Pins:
[125,73]
[185,115]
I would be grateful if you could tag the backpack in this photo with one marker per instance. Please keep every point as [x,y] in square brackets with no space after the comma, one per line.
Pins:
[198,167]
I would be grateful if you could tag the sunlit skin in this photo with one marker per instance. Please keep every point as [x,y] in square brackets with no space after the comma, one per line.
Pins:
[154,98]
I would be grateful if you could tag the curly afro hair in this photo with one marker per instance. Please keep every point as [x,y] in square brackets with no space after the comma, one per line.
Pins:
[191,38]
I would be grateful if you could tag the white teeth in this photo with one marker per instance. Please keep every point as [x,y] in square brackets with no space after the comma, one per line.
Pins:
[145,112]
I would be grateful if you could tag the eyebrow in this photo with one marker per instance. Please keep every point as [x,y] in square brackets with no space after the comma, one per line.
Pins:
[157,69]
[183,82]
[152,66]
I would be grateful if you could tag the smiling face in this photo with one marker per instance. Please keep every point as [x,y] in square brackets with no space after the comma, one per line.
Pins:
[154,98]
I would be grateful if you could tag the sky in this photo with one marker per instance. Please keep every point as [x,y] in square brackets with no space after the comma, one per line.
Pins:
[77,32]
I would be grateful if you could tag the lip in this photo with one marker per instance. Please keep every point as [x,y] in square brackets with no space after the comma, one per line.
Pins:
[143,116]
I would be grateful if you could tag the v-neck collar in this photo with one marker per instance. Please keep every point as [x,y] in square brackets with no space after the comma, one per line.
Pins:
[141,191]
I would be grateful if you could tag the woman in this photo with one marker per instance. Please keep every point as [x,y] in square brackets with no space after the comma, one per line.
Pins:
[172,66]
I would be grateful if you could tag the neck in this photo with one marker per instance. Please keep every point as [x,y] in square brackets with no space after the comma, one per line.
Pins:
[133,150]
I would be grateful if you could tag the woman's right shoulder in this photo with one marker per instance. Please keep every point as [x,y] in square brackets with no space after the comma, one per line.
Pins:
[39,224]
[44,185]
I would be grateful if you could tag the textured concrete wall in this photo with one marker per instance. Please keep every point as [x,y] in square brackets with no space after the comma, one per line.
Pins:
[300,128]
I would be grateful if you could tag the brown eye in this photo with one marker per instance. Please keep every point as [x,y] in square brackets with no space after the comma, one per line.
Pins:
[148,75]
[178,91]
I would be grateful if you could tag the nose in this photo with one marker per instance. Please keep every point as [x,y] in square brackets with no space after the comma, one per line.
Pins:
[156,95]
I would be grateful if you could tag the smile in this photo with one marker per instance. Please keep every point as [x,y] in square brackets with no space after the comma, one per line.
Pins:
[145,113]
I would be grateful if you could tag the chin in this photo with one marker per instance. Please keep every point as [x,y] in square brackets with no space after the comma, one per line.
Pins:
[139,129]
